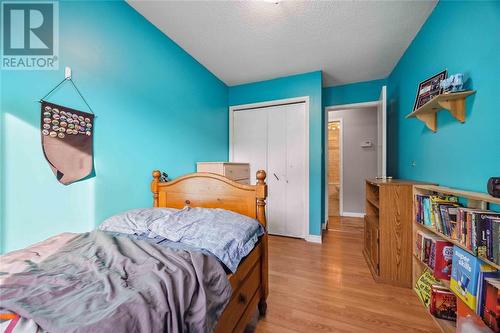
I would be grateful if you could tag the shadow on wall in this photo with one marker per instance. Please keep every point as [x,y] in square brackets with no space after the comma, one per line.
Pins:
[32,212]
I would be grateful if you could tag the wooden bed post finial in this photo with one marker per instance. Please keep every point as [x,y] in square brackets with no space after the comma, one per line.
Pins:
[261,197]
[154,186]
[261,194]
[261,177]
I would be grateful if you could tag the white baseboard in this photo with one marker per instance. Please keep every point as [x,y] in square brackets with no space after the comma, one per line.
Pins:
[352,214]
[313,239]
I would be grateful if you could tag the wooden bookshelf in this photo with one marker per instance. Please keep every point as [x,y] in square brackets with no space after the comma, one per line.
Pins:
[388,230]
[474,200]
[373,202]
[453,102]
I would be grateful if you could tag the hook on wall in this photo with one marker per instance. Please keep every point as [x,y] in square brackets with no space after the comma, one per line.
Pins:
[67,77]
[67,73]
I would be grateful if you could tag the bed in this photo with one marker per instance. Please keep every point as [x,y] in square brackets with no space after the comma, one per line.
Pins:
[250,282]
[152,278]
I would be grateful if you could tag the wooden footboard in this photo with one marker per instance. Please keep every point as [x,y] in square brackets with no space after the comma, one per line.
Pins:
[250,282]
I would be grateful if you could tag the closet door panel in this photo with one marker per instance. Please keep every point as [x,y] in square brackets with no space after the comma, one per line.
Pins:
[276,166]
[295,170]
[250,140]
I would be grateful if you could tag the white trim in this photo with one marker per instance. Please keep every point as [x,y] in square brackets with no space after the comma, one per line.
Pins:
[303,99]
[324,225]
[352,106]
[341,161]
[383,140]
[352,214]
[327,159]
[313,239]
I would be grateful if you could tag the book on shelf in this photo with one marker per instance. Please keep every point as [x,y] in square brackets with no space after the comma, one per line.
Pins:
[423,245]
[465,274]
[485,274]
[477,230]
[438,212]
[443,303]
[441,258]
[491,313]
[488,236]
[496,240]
[419,240]
[423,287]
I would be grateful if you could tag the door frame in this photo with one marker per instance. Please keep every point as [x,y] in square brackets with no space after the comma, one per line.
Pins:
[362,105]
[341,164]
[278,102]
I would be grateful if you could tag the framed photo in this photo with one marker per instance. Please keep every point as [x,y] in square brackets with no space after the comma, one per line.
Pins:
[429,89]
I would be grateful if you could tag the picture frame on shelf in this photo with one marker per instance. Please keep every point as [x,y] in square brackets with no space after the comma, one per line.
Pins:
[429,88]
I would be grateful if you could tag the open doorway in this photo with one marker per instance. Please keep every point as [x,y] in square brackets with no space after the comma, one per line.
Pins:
[361,153]
[357,157]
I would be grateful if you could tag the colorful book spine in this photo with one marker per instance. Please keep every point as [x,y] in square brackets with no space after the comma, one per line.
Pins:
[484,229]
[418,245]
[428,240]
[432,257]
[496,240]
[427,212]
[487,223]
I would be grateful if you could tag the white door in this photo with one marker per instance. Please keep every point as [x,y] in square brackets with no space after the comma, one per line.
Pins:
[274,139]
[250,140]
[382,136]
[296,183]
[276,166]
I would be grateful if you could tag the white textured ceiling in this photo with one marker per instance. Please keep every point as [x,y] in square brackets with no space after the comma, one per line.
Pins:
[247,41]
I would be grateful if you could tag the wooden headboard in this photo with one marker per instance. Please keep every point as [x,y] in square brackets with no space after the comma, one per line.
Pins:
[210,190]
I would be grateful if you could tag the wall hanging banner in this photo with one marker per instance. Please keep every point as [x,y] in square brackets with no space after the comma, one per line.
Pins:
[67,141]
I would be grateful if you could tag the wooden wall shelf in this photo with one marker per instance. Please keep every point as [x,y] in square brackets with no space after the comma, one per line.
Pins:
[453,102]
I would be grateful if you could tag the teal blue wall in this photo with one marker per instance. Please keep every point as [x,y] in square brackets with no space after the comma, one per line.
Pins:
[359,92]
[156,107]
[308,84]
[462,37]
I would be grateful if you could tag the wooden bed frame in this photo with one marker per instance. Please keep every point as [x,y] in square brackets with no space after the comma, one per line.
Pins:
[250,282]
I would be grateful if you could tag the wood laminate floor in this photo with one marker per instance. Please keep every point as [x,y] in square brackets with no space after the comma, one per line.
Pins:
[328,288]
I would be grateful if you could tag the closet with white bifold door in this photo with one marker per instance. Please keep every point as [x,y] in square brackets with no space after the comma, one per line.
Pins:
[275,139]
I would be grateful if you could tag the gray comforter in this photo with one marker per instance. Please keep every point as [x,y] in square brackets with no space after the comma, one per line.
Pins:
[101,283]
